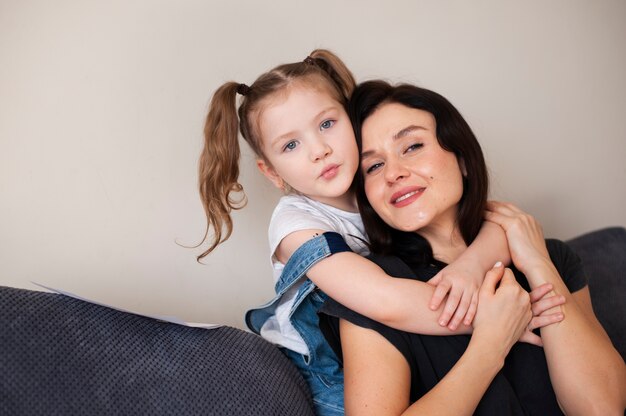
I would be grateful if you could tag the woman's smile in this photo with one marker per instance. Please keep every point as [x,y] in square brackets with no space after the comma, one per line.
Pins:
[412,183]
[406,196]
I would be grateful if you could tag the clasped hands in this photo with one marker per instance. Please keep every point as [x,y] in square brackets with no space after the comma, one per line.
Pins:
[528,252]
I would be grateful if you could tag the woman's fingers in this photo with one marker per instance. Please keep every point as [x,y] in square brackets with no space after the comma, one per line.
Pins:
[545,320]
[504,311]
[505,208]
[547,303]
[540,291]
[529,338]
[492,278]
[502,220]
[539,322]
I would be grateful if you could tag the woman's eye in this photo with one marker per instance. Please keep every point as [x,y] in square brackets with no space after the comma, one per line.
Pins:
[413,147]
[373,168]
[290,146]
[326,124]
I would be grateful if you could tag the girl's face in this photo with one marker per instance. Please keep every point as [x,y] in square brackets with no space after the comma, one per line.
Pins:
[308,143]
[410,180]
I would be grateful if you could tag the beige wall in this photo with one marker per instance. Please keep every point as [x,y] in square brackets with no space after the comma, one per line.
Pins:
[102,106]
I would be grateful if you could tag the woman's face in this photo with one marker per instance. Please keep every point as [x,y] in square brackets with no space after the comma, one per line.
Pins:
[410,180]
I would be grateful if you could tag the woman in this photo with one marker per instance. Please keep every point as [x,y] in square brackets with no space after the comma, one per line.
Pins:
[422,190]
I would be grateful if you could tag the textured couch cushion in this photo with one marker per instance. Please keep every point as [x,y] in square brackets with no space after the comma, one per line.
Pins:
[603,254]
[62,356]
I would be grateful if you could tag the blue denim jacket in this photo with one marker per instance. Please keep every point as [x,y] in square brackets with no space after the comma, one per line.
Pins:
[320,367]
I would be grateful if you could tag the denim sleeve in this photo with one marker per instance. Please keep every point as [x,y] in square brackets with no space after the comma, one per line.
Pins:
[309,254]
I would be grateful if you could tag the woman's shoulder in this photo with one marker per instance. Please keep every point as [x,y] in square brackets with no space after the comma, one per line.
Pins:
[560,252]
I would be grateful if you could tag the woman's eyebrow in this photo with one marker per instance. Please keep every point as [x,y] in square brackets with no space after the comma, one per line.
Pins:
[406,131]
[399,135]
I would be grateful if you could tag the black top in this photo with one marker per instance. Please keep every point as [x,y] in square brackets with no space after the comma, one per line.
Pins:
[521,387]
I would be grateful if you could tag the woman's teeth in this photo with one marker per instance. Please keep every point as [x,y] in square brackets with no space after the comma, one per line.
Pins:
[405,196]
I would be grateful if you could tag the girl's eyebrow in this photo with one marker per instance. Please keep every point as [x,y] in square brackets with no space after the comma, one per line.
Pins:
[399,135]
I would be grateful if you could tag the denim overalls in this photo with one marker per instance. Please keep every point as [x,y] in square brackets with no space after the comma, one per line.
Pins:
[320,368]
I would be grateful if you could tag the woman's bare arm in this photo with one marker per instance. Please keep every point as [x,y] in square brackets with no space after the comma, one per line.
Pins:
[588,374]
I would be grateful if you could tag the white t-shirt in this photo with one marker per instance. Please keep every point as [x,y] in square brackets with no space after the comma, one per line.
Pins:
[296,213]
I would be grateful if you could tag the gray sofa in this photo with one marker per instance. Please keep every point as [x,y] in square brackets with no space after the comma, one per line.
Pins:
[62,356]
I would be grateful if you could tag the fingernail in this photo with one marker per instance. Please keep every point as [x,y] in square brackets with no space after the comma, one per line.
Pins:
[442,323]
[498,264]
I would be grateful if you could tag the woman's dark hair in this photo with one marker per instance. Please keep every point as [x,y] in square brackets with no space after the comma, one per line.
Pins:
[453,134]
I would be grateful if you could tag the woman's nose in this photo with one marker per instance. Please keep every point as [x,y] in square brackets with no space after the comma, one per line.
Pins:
[395,170]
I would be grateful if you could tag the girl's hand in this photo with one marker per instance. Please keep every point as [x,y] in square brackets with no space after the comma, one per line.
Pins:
[460,281]
[523,232]
[541,300]
[504,312]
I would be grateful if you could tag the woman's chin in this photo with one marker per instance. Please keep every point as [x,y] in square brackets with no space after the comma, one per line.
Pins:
[409,226]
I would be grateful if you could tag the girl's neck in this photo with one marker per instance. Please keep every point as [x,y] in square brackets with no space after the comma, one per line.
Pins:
[345,202]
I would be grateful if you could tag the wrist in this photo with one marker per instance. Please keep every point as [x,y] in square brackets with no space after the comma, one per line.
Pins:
[491,352]
[534,270]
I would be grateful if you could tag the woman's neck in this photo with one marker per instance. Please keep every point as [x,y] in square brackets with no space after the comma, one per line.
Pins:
[446,241]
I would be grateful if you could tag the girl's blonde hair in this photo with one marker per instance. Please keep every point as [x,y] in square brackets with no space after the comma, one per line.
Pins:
[219,160]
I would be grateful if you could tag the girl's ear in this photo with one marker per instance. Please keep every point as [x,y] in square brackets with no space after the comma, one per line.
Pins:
[270,173]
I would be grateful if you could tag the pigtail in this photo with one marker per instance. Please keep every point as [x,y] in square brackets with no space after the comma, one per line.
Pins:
[219,161]
[336,69]
[219,166]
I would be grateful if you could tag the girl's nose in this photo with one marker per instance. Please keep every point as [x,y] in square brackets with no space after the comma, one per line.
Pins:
[320,150]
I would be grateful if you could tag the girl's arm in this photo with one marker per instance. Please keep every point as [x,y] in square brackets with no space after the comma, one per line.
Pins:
[588,374]
[378,377]
[364,287]
[461,279]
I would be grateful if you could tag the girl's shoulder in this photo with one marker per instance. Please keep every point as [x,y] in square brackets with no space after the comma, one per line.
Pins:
[304,208]
[297,212]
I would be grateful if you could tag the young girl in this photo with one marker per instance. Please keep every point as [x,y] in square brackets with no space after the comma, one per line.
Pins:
[294,119]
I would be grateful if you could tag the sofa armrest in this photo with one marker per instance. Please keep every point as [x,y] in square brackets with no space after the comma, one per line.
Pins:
[63,356]
[603,254]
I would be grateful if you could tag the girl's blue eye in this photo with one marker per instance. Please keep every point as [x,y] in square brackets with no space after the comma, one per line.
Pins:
[326,124]
[372,168]
[290,146]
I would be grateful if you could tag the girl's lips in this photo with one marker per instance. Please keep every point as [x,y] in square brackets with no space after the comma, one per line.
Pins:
[406,196]
[330,171]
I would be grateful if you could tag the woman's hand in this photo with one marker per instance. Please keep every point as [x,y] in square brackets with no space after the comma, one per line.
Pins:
[542,299]
[523,232]
[460,281]
[504,312]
